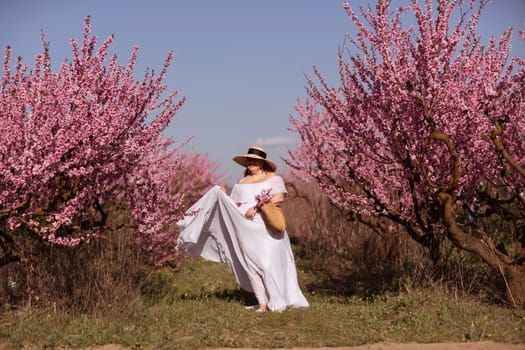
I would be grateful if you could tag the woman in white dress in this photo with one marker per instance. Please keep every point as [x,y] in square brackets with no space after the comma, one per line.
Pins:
[231,230]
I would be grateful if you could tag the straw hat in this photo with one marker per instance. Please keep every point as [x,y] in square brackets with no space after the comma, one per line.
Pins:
[254,153]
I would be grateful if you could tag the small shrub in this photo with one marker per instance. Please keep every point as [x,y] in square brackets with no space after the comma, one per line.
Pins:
[158,283]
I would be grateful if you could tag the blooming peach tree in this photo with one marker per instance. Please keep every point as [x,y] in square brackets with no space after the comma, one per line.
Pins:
[425,131]
[75,139]
[160,181]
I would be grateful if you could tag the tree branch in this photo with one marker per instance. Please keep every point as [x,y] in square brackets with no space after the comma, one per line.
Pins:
[501,149]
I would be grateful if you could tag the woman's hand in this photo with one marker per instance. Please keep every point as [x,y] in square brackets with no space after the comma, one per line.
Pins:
[250,213]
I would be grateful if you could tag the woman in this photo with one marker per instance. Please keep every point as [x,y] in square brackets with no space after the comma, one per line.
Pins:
[230,229]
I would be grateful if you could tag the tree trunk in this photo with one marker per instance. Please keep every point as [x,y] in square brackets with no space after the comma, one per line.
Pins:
[513,273]
[516,284]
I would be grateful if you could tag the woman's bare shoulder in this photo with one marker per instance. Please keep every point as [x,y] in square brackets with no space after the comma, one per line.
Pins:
[243,180]
[269,176]
[275,176]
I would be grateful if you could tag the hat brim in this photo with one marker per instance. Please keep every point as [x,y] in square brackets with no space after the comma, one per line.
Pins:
[242,160]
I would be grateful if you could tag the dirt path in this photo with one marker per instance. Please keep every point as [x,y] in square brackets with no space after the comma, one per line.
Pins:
[486,345]
[416,346]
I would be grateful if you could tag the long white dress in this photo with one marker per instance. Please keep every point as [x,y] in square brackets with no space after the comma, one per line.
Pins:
[261,260]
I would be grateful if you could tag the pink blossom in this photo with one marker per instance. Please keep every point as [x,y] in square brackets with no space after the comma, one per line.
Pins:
[263,198]
[88,134]
[370,143]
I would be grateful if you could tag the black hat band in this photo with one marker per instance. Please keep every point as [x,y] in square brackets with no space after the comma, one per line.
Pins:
[257,152]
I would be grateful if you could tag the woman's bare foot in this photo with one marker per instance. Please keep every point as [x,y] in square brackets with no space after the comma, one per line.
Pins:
[262,308]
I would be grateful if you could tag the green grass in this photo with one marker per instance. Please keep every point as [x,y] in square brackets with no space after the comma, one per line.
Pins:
[202,307]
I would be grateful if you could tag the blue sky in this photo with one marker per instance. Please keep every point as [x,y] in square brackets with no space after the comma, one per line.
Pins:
[241,64]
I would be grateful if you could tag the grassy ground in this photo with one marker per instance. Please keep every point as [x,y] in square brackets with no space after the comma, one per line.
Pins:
[201,306]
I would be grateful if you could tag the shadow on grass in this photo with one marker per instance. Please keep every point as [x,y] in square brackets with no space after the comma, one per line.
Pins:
[235,295]
[239,295]
[365,284]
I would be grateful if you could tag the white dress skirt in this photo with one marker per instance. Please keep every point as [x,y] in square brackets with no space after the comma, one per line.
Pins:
[261,260]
